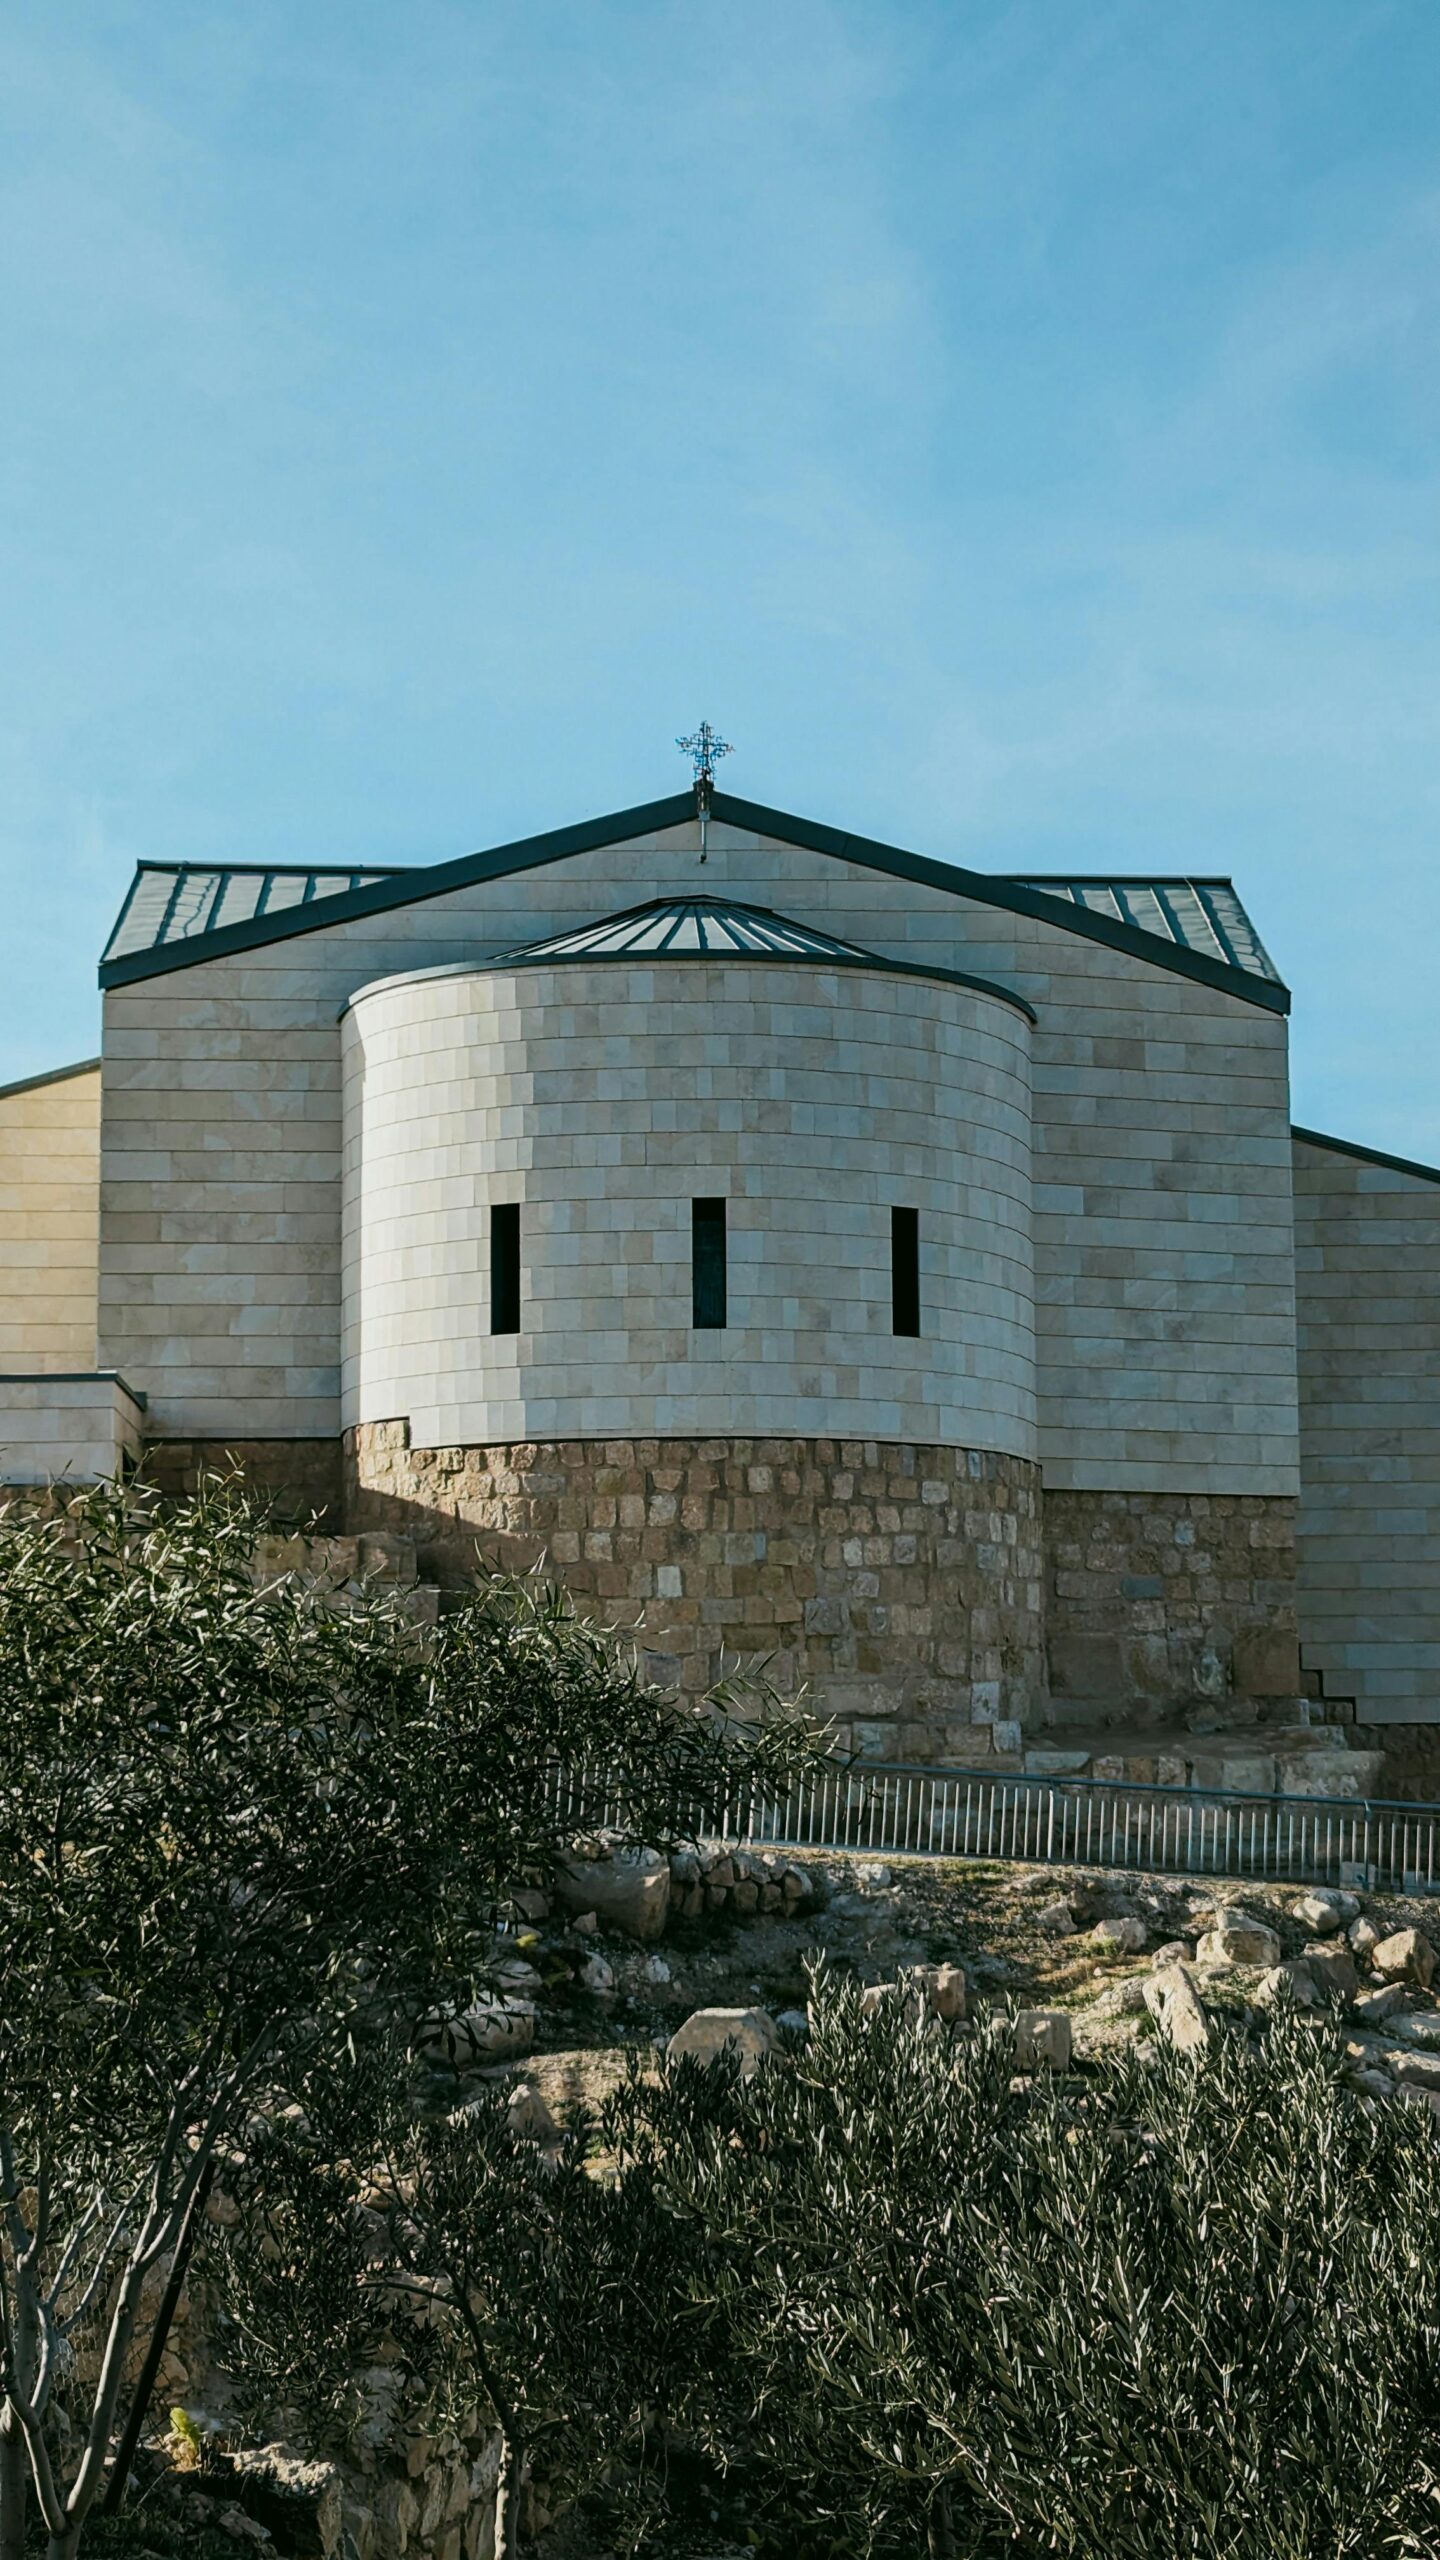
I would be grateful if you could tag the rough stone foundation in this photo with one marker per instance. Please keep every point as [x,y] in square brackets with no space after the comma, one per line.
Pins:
[900,1585]
[303,1478]
[1166,1600]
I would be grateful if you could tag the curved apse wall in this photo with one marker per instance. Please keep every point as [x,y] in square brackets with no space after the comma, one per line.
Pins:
[604,1099]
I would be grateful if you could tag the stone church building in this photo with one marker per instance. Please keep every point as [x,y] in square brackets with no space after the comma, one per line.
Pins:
[814,1250]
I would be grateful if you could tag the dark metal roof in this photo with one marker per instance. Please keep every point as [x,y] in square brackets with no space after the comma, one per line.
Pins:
[1200,915]
[687,926]
[169,923]
[170,902]
[697,929]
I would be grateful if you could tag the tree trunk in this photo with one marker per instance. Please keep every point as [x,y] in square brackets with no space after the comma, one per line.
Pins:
[119,2480]
[507,2500]
[14,2488]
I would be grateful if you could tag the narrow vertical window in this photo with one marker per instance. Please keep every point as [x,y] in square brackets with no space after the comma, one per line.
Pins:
[504,1267]
[904,1270]
[707,1262]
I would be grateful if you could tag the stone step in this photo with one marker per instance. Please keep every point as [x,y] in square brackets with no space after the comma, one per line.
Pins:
[1072,1716]
[1305,1760]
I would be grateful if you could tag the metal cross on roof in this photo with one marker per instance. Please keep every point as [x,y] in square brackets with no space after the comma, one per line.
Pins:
[704,750]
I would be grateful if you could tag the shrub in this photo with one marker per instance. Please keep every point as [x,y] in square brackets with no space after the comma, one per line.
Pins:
[1168,2312]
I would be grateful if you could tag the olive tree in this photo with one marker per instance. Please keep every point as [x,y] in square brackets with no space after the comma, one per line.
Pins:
[492,2275]
[1177,2306]
[241,1824]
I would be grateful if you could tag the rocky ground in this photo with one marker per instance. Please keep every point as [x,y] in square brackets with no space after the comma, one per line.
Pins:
[1108,1957]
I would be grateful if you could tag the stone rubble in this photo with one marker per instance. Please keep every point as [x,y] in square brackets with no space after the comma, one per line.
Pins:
[706,2034]
[1406,1957]
[1238,1939]
[1176,2007]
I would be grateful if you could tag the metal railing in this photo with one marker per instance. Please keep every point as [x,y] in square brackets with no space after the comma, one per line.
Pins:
[911,1811]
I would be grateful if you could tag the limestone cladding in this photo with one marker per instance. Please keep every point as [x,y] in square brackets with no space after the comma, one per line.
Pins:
[49,1221]
[1368,1283]
[54,1426]
[1162,1170]
[603,1100]
[901,1585]
[1169,1599]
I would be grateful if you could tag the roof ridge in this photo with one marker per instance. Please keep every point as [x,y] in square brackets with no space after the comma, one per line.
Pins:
[384,888]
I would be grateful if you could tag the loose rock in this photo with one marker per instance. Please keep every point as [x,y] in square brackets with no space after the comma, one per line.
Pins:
[1127,1936]
[1239,1938]
[1043,2040]
[492,2028]
[1176,2007]
[529,2117]
[1057,1920]
[1334,1969]
[1292,1982]
[1417,2026]
[1375,2006]
[1324,1910]
[629,1892]
[1406,1957]
[943,1988]
[707,2032]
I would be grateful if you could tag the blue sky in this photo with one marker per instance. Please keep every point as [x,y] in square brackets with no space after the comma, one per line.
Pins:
[1015,425]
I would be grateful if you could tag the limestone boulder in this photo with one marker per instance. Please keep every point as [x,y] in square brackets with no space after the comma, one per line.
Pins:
[1376,2006]
[1416,2070]
[1177,2009]
[529,2117]
[706,2033]
[288,2497]
[1043,2040]
[1371,2081]
[492,2031]
[1126,1936]
[1363,1936]
[1290,1985]
[1334,1968]
[1417,2026]
[1056,1920]
[1239,1938]
[943,1988]
[1406,1957]
[628,1892]
[1323,1911]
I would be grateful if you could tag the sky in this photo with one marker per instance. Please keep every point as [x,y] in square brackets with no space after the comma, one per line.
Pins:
[1015,423]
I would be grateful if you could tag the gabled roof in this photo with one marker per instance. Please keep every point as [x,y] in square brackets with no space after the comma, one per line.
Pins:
[214,922]
[696,929]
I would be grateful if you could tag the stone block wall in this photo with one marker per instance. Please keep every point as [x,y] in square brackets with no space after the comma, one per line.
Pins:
[1169,1599]
[899,1585]
[302,1478]
[599,1100]
[1164,1275]
[50,1220]
[1367,1235]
